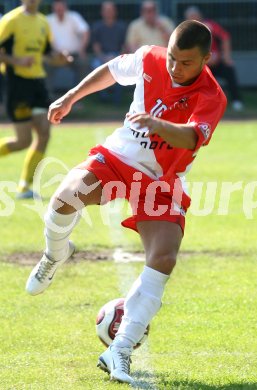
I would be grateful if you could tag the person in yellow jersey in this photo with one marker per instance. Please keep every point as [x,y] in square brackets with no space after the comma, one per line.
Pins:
[24,45]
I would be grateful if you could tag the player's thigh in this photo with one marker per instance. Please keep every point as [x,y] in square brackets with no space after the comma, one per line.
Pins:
[79,188]
[161,240]
[40,104]
[19,98]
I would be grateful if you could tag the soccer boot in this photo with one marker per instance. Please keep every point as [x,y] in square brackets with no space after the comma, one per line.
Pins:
[116,361]
[42,274]
[29,194]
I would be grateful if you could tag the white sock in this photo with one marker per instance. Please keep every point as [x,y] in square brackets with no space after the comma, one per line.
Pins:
[58,228]
[141,304]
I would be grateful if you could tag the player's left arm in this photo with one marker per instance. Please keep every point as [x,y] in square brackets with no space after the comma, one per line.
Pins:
[191,135]
[11,60]
[178,135]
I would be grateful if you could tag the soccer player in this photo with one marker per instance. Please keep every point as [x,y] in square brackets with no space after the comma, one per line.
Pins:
[24,41]
[177,105]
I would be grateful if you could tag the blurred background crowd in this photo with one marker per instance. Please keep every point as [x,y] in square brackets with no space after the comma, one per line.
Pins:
[93,32]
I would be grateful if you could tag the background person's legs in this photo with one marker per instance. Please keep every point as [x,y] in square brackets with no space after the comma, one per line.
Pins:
[20,141]
[36,151]
[228,73]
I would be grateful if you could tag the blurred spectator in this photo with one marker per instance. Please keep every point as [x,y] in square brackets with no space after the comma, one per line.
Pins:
[24,43]
[71,35]
[108,38]
[221,63]
[149,29]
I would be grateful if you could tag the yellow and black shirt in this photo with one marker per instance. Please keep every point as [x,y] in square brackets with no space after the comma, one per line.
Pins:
[22,35]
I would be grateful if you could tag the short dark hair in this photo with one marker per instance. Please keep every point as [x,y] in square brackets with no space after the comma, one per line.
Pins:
[192,33]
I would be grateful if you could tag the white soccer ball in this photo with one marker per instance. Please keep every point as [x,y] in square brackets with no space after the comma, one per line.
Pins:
[108,321]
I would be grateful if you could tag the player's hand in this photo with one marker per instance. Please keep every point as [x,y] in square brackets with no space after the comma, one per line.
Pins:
[145,122]
[60,59]
[65,58]
[59,109]
[25,62]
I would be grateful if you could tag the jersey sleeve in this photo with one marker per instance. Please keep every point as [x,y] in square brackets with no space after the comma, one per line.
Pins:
[206,116]
[127,68]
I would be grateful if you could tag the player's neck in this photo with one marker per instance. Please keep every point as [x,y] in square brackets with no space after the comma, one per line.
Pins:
[189,82]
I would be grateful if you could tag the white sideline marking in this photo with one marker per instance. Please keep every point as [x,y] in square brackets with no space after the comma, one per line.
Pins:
[120,256]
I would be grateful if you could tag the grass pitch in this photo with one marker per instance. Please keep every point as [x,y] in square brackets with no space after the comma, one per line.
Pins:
[204,337]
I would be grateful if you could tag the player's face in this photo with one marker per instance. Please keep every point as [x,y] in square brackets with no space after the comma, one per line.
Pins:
[31,5]
[184,66]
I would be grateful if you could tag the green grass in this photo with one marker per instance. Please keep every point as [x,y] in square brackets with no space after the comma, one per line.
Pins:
[205,335]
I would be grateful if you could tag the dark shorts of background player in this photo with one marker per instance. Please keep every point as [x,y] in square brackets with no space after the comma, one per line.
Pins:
[110,170]
[23,95]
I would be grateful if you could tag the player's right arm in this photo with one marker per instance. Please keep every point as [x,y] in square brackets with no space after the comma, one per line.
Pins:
[123,69]
[15,61]
[7,31]
[97,80]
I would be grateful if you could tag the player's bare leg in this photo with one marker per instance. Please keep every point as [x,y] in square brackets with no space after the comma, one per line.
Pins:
[41,126]
[22,138]
[161,240]
[35,154]
[80,188]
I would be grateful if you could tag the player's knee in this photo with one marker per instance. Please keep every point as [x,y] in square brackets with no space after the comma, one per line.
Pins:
[66,201]
[60,202]
[164,262]
[168,261]
[23,143]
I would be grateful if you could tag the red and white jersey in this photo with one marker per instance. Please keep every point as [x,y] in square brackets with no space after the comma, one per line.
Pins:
[201,104]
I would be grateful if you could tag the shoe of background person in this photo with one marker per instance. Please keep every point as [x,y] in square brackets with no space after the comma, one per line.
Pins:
[42,274]
[29,194]
[116,362]
[237,105]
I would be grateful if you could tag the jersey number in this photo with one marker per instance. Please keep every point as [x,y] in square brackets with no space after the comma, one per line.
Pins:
[158,109]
